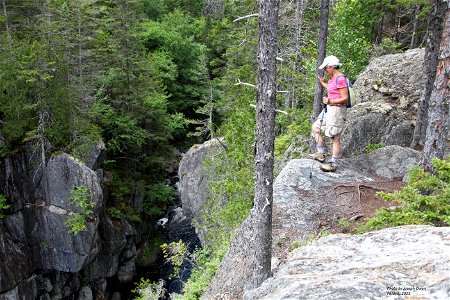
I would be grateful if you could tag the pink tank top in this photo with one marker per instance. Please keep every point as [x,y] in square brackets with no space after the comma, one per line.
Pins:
[333,88]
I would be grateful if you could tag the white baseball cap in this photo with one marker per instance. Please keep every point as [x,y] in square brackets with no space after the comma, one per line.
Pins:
[330,61]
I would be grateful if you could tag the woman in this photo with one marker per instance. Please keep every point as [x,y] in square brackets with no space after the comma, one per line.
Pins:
[332,118]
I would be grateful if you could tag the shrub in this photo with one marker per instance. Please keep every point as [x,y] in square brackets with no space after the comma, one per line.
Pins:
[3,205]
[371,147]
[79,196]
[425,200]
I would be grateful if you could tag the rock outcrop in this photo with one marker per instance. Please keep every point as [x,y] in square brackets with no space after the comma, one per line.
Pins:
[39,258]
[194,178]
[410,262]
[387,95]
[304,205]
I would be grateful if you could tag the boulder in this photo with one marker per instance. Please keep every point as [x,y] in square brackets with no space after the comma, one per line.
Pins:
[409,262]
[385,106]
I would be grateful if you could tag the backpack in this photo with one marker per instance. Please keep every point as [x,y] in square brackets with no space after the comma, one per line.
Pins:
[351,91]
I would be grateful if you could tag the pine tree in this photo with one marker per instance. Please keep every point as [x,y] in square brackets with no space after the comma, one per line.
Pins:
[437,129]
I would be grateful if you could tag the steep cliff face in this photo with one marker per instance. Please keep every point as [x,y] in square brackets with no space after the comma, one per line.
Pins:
[39,257]
[194,179]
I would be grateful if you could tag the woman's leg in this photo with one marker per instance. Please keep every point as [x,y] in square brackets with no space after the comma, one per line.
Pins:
[336,144]
[317,136]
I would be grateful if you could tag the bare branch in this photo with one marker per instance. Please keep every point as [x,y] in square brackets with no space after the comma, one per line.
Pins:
[276,110]
[245,83]
[267,204]
[247,16]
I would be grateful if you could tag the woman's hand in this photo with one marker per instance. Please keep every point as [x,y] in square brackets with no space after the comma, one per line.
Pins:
[325,100]
[321,79]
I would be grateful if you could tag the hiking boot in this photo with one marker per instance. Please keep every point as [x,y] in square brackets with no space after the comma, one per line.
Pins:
[318,156]
[328,167]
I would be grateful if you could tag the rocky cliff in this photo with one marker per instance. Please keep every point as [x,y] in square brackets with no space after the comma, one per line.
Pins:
[39,258]
[306,205]
[194,178]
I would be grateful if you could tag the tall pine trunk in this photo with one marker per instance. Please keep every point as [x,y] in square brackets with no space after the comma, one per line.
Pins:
[264,139]
[415,27]
[437,129]
[434,34]
[325,9]
[8,32]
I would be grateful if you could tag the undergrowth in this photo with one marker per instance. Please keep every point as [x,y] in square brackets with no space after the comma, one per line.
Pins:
[425,200]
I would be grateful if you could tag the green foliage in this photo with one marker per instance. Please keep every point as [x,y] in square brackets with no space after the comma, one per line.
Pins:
[156,9]
[354,24]
[115,213]
[32,87]
[351,33]
[344,224]
[206,266]
[79,196]
[175,254]
[123,190]
[425,200]
[178,58]
[3,205]
[146,290]
[299,126]
[157,196]
[122,132]
[306,241]
[371,147]
[387,46]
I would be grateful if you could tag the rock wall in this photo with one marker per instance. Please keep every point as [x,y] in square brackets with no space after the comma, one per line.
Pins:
[39,258]
[387,95]
[194,179]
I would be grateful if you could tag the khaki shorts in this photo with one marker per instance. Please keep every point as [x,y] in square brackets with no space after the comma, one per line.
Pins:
[332,122]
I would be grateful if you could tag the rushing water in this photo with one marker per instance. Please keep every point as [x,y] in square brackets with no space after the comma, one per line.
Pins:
[179,228]
[173,228]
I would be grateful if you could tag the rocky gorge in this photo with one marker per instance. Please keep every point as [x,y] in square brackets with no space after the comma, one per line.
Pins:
[40,259]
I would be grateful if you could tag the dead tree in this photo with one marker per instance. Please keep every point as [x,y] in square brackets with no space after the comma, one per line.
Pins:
[264,139]
[325,8]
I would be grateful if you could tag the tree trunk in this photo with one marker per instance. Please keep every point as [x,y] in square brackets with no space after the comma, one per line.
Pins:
[415,27]
[325,8]
[437,129]
[264,139]
[8,33]
[398,20]
[434,34]
[291,100]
